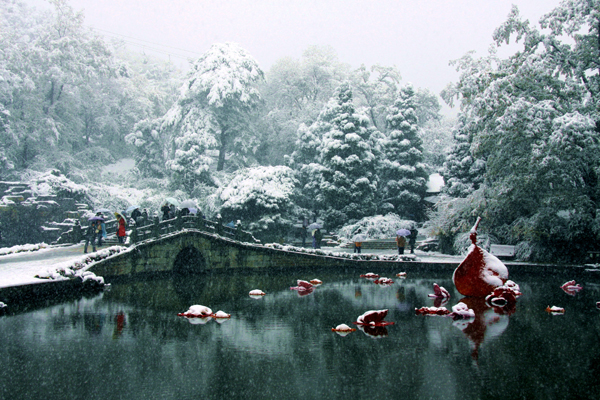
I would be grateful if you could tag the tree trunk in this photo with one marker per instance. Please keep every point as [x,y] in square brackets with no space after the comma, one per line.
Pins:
[221,163]
[223,148]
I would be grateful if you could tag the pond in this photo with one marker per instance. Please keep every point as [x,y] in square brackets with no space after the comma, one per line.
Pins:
[129,343]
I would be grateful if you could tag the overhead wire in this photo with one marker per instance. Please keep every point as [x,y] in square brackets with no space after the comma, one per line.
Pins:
[144,46]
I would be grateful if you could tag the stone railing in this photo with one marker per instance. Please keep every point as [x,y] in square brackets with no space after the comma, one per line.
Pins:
[154,229]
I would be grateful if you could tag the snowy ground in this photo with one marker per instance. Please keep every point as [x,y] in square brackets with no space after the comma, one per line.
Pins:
[20,268]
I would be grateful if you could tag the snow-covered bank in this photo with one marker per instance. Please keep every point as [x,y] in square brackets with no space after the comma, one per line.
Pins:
[52,263]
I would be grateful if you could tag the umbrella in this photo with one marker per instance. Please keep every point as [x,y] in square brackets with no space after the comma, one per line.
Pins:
[359,238]
[187,204]
[403,232]
[119,215]
[102,210]
[173,201]
[131,208]
[231,224]
[314,225]
[95,218]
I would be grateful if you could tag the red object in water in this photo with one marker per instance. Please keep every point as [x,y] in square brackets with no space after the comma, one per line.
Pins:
[439,292]
[373,318]
[571,288]
[370,275]
[302,286]
[480,272]
[432,311]
[383,281]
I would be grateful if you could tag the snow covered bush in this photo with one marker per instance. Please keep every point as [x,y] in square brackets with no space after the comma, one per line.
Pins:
[260,198]
[55,183]
[376,227]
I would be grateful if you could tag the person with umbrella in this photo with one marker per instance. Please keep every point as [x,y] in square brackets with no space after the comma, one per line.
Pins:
[317,236]
[165,211]
[358,239]
[92,232]
[135,213]
[412,238]
[121,230]
[102,231]
[401,240]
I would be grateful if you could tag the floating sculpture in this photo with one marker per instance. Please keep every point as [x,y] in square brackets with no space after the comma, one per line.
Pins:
[480,272]
[571,288]
[554,310]
[343,329]
[256,294]
[373,318]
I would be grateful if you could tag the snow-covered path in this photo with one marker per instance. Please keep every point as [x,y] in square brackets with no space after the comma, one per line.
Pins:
[20,268]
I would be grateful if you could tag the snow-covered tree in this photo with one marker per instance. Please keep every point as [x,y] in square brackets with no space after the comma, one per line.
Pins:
[148,145]
[221,85]
[533,118]
[438,140]
[402,173]
[190,163]
[377,89]
[349,182]
[462,173]
[260,198]
[295,92]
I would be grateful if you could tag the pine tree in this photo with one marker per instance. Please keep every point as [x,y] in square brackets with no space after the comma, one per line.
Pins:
[402,172]
[348,179]
[462,173]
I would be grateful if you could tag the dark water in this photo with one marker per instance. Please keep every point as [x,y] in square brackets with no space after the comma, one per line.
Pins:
[129,343]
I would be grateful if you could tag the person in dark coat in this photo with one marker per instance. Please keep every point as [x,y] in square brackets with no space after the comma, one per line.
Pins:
[165,211]
[135,214]
[412,239]
[91,235]
[317,236]
[145,216]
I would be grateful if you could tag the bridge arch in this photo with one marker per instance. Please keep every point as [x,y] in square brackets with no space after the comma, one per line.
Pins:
[189,261]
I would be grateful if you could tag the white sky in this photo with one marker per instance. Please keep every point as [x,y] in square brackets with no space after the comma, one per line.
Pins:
[420,37]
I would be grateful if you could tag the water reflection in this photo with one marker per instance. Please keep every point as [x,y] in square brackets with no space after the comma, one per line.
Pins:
[130,343]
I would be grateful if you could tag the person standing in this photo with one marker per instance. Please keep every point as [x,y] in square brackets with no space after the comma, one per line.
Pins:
[135,214]
[412,239]
[165,211]
[121,229]
[91,235]
[401,243]
[317,236]
[101,230]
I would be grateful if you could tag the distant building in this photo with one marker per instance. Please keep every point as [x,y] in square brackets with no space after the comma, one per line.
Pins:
[434,188]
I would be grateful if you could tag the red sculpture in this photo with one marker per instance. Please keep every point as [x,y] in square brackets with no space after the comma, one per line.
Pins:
[480,272]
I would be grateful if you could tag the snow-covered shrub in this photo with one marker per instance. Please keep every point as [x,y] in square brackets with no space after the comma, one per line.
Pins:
[462,242]
[260,198]
[55,183]
[523,251]
[376,227]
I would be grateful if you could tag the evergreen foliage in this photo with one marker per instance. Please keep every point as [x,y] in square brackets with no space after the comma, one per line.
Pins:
[349,181]
[402,172]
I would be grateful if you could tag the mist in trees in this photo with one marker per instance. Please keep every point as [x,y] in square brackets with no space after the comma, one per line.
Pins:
[343,143]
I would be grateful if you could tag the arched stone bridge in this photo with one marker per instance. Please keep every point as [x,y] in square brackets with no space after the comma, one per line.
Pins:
[193,250]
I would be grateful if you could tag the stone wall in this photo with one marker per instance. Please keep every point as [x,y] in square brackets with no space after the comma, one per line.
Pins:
[196,251]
